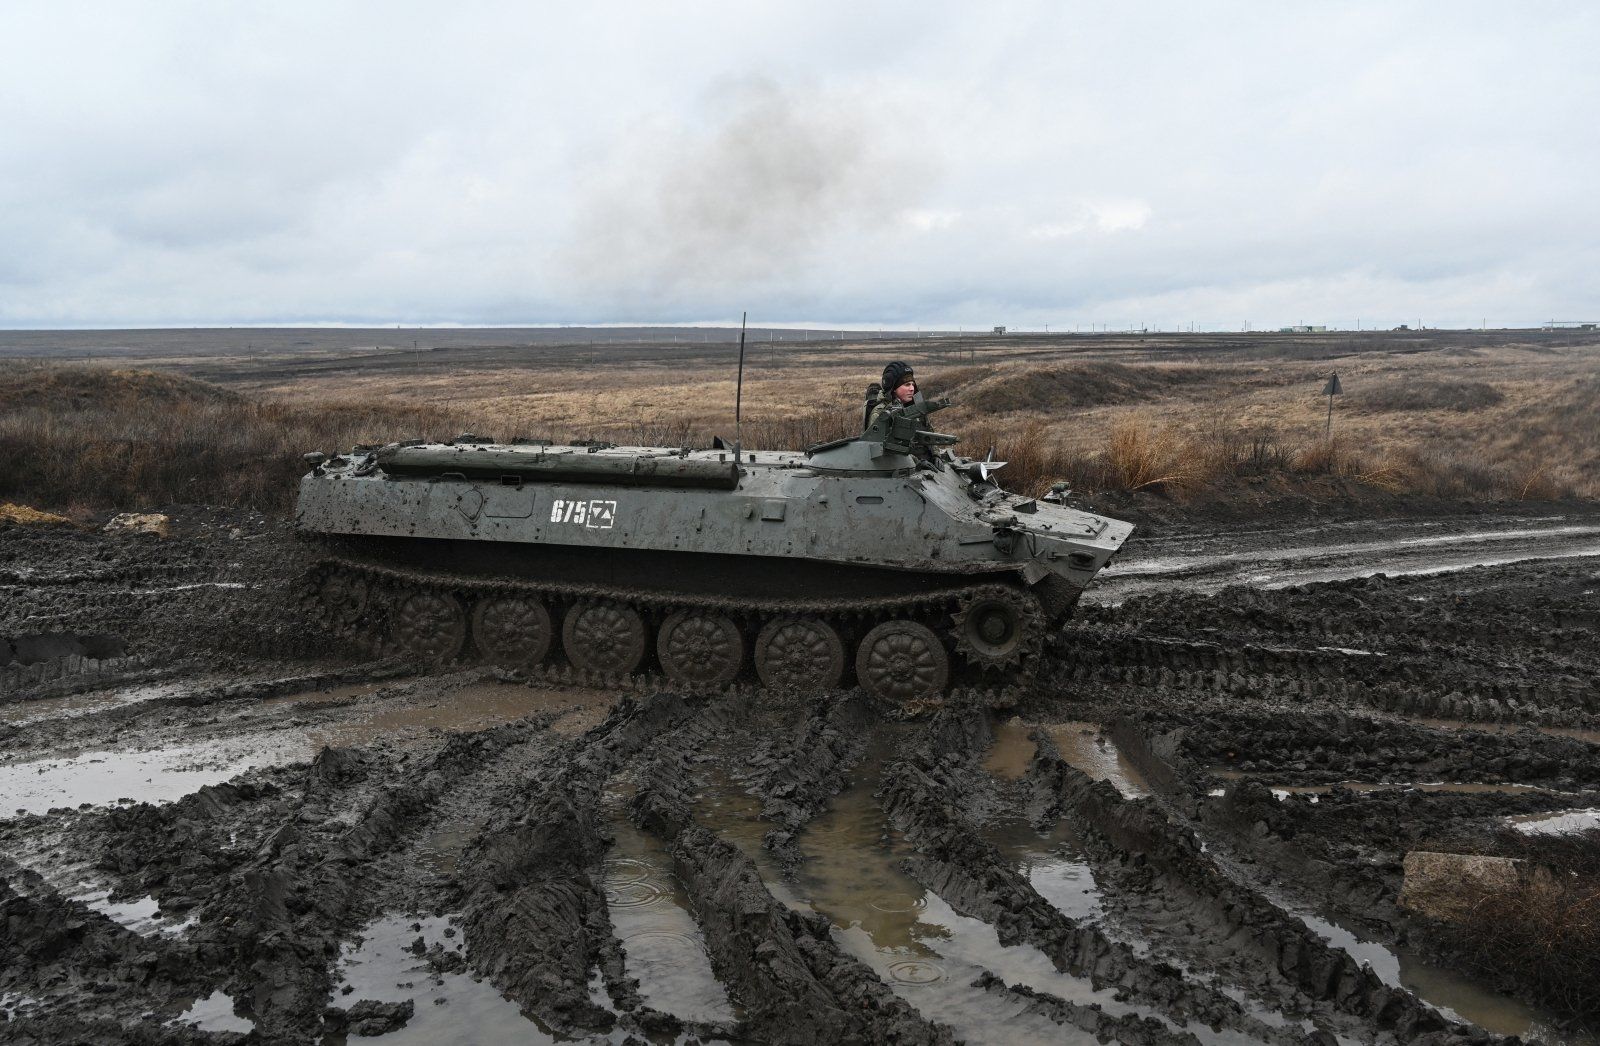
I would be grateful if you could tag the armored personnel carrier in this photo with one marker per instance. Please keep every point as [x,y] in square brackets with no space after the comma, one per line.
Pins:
[885,556]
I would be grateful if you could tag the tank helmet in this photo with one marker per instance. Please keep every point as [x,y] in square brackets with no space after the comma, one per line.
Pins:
[896,374]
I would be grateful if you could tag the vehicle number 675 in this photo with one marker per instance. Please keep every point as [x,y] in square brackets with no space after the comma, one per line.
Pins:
[596,515]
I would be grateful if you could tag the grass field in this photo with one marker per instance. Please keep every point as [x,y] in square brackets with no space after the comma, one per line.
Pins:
[1193,418]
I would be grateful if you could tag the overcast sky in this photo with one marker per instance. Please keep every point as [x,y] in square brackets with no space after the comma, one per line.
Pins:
[851,163]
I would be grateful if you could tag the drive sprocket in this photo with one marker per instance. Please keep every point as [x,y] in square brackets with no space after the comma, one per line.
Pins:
[998,628]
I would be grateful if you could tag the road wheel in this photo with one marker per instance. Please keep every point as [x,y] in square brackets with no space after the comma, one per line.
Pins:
[998,628]
[799,653]
[604,637]
[902,660]
[343,596]
[511,631]
[700,648]
[430,625]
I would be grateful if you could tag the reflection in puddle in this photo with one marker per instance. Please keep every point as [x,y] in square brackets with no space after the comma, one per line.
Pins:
[23,713]
[1278,568]
[142,916]
[161,775]
[1081,745]
[1449,992]
[157,776]
[1084,747]
[662,945]
[1450,787]
[1557,823]
[450,1007]
[1575,732]
[926,951]
[214,1013]
[1052,864]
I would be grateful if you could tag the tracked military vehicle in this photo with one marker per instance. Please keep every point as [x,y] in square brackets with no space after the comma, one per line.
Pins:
[885,556]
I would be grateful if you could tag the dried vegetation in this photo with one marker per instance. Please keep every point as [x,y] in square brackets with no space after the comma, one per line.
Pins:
[1544,934]
[84,438]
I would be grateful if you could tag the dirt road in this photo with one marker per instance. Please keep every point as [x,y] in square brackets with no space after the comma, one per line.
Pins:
[1190,829]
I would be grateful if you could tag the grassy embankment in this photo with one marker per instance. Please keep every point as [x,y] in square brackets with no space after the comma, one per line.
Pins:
[82,439]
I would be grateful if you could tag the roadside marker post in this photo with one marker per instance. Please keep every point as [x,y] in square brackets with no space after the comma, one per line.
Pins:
[1330,390]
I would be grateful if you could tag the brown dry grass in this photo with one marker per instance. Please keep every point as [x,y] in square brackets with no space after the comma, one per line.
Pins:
[1545,933]
[119,439]
[87,437]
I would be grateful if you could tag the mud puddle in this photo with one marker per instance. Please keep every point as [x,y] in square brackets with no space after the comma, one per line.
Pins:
[25,713]
[1563,823]
[1081,744]
[216,1012]
[156,776]
[163,774]
[1445,990]
[929,954]
[1574,732]
[1283,791]
[662,944]
[1303,564]
[386,966]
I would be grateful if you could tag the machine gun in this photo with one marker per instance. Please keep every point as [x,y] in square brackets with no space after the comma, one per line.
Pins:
[901,428]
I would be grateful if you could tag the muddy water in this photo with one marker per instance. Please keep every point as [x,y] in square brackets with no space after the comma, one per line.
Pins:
[923,949]
[1557,823]
[23,713]
[1451,787]
[661,942]
[1202,569]
[163,774]
[1445,990]
[1081,745]
[450,1007]
[216,1012]
[1576,733]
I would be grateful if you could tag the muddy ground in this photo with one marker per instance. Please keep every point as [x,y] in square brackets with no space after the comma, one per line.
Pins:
[219,827]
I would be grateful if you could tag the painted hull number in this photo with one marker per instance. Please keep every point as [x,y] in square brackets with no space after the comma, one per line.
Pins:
[596,515]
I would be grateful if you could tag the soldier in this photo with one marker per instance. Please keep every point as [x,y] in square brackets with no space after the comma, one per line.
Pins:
[898,389]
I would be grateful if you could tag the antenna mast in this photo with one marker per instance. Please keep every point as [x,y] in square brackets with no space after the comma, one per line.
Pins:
[738,396]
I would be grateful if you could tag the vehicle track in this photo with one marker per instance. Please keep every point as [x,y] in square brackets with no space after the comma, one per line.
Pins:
[839,874]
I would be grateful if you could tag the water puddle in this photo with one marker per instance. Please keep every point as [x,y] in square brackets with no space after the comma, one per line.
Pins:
[1446,787]
[449,1007]
[1052,864]
[23,713]
[162,775]
[661,942]
[214,1013]
[1280,567]
[142,916]
[1574,732]
[1081,746]
[158,776]
[1084,747]
[442,848]
[1563,823]
[1449,992]
[15,1004]
[922,948]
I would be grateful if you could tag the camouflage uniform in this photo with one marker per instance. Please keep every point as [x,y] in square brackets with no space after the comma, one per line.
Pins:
[894,375]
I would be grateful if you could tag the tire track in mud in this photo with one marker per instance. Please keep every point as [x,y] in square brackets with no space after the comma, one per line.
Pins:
[509,830]
[794,982]
[1187,903]
[954,862]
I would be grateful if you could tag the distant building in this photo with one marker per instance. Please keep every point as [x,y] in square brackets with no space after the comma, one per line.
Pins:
[999,330]
[1303,329]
